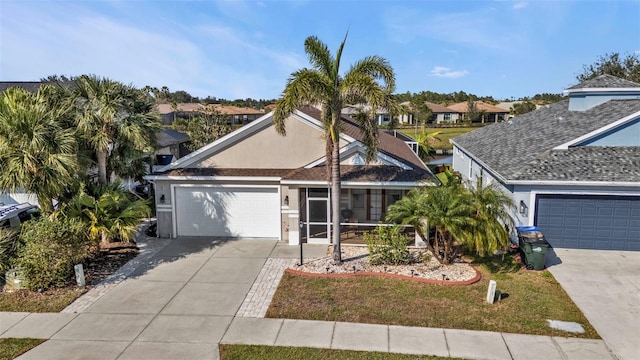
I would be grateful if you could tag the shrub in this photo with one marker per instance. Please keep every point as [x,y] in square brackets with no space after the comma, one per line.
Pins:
[49,249]
[8,247]
[387,246]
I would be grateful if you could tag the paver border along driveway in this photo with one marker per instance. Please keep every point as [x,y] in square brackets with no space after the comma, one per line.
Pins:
[605,285]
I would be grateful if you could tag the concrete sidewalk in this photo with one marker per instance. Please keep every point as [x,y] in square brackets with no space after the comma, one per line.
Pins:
[180,298]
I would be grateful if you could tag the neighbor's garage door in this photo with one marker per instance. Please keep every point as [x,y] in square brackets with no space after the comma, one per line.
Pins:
[227,212]
[590,222]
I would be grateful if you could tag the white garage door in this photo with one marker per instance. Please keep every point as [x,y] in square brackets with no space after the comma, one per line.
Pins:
[227,212]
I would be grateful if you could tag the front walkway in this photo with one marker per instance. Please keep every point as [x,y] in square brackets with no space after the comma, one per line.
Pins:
[182,297]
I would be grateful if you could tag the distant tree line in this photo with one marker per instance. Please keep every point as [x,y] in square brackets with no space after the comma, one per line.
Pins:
[622,66]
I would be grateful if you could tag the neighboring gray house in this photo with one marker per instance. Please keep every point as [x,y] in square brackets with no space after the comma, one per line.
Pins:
[572,168]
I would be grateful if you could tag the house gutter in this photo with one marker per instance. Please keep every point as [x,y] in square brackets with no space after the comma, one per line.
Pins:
[153,178]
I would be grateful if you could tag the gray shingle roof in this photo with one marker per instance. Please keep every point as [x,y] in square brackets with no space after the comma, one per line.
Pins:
[514,148]
[605,81]
[168,137]
[585,163]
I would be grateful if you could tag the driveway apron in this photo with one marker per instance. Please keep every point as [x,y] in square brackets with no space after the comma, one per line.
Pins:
[179,301]
[606,287]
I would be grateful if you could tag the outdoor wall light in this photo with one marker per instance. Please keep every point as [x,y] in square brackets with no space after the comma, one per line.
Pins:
[286,200]
[162,199]
[523,207]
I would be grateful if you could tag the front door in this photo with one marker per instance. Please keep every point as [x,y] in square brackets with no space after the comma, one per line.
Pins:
[318,224]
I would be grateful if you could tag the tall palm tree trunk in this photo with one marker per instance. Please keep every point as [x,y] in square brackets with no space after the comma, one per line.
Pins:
[335,200]
[102,167]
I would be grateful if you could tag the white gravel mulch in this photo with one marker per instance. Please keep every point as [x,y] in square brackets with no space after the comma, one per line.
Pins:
[357,256]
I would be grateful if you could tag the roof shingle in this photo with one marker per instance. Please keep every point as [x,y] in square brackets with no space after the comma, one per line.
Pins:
[513,148]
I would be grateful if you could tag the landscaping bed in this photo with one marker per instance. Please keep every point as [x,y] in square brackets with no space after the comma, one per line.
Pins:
[529,299]
[97,268]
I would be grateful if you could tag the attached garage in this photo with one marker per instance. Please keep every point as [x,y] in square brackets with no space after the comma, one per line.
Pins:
[229,211]
[590,222]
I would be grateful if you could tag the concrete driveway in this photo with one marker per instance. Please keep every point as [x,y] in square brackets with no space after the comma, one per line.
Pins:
[606,287]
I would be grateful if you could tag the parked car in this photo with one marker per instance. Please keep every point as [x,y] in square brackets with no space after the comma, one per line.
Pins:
[12,216]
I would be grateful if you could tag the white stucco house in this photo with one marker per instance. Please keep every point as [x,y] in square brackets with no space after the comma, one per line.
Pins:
[572,167]
[255,183]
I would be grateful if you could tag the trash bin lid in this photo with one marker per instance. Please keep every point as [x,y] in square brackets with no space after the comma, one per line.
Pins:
[527,228]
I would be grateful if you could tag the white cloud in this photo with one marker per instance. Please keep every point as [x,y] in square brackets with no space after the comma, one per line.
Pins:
[484,28]
[445,72]
[520,5]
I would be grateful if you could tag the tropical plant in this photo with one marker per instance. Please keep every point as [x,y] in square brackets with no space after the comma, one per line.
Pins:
[388,246]
[108,212]
[425,142]
[115,120]
[323,85]
[490,211]
[38,153]
[476,217]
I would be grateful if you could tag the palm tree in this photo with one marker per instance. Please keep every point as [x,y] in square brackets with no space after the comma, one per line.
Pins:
[111,115]
[490,211]
[323,85]
[108,211]
[38,154]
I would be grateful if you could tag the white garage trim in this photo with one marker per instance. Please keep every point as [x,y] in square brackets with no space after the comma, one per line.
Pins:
[174,202]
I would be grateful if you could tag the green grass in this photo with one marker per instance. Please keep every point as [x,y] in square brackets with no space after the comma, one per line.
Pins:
[263,352]
[444,136]
[531,298]
[54,300]
[10,348]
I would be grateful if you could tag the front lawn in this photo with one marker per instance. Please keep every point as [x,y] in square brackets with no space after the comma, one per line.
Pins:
[11,348]
[530,298]
[263,352]
[444,136]
[54,300]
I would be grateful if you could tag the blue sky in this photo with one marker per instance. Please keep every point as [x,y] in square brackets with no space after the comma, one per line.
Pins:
[241,49]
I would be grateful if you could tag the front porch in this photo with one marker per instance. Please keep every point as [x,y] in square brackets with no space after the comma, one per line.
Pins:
[362,209]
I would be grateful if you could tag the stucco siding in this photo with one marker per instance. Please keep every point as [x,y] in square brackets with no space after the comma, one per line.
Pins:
[628,135]
[267,149]
[584,101]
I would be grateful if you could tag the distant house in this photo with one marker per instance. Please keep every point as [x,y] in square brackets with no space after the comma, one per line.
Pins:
[237,115]
[490,113]
[572,168]
[441,114]
[382,115]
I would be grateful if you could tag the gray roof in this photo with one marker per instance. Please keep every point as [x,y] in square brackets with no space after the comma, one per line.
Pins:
[168,137]
[31,86]
[585,163]
[516,148]
[605,81]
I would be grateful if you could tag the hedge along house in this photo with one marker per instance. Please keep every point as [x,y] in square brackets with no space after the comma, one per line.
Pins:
[572,168]
[255,183]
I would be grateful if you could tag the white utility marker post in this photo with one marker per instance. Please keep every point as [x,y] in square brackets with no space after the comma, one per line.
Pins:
[79,275]
[491,292]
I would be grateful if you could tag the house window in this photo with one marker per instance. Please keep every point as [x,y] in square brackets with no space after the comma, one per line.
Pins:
[447,117]
[357,198]
[470,169]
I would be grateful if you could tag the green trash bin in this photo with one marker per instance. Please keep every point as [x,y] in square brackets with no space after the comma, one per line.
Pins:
[534,248]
